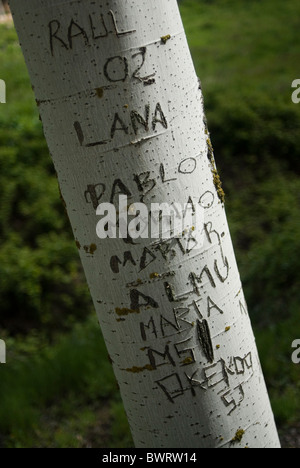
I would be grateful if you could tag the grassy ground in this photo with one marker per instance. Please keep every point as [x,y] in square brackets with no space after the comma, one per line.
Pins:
[57,389]
[63,394]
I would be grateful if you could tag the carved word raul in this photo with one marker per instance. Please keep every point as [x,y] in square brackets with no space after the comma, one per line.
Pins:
[87,31]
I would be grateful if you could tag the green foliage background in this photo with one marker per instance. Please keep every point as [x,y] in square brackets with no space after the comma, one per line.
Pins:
[57,389]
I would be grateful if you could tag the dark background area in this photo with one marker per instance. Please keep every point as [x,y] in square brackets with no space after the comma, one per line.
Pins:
[57,388]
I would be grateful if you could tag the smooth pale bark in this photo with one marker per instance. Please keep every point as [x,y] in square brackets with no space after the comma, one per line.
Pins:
[122,113]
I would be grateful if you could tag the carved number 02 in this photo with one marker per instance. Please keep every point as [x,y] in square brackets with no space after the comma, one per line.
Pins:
[116,69]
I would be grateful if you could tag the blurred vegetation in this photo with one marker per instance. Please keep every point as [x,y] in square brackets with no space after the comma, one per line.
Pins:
[57,389]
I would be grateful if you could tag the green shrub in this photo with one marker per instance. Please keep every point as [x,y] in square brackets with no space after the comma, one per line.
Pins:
[253,132]
[41,281]
[38,375]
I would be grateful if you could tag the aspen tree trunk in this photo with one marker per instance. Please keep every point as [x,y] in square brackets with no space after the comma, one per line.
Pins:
[122,112]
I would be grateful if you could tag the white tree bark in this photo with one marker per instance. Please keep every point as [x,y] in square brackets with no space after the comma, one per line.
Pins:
[122,112]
